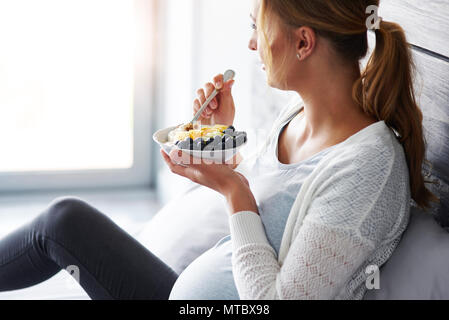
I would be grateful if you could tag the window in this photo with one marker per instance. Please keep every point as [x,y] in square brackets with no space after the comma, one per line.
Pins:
[72,113]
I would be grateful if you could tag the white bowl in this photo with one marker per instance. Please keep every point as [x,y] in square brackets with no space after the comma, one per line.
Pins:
[161,137]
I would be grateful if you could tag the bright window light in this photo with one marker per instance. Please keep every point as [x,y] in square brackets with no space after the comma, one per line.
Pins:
[66,84]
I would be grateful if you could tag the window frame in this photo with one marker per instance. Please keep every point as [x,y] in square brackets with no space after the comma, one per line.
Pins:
[140,174]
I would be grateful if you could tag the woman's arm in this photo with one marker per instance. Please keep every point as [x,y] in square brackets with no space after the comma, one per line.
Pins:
[320,260]
[240,198]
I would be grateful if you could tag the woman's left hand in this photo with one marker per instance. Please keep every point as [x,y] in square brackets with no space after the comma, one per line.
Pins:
[219,177]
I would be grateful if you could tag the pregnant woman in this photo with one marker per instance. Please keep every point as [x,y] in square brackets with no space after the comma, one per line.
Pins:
[324,198]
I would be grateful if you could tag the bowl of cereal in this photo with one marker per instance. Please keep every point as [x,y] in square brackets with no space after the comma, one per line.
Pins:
[219,143]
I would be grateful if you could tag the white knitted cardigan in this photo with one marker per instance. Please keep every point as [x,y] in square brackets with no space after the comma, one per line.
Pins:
[349,214]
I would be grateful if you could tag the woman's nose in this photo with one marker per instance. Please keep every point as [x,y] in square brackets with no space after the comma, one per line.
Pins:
[252,45]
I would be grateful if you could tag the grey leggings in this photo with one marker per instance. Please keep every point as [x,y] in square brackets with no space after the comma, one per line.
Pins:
[70,232]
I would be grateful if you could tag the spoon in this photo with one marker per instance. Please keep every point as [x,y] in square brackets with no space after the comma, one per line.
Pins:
[228,75]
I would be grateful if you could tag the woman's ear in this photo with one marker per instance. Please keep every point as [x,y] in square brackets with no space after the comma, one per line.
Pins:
[305,40]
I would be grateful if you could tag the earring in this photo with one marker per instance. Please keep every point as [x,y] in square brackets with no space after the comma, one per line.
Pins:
[298,56]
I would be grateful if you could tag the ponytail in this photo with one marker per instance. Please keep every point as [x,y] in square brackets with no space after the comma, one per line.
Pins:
[385,91]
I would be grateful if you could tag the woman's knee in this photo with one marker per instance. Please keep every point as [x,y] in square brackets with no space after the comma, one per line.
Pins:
[66,215]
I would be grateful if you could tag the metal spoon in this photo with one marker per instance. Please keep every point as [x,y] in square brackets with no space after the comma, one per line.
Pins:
[228,75]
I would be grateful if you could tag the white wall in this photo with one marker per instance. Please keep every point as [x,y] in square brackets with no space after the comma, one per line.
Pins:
[223,34]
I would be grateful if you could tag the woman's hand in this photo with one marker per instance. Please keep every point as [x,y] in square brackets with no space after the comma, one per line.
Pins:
[221,110]
[219,177]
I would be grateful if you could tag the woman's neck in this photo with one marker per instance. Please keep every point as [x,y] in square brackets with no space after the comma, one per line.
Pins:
[329,109]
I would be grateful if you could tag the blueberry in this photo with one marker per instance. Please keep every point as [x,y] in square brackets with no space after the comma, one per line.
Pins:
[197,140]
[183,144]
[225,142]
[197,144]
[240,139]
[229,143]
[245,137]
[216,143]
[229,130]
[189,142]
[241,134]
[209,144]
[225,137]
[209,141]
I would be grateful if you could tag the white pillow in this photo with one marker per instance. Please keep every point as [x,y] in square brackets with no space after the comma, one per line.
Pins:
[418,268]
[186,227]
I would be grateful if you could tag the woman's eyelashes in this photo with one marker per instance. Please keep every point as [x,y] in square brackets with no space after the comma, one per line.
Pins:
[253,26]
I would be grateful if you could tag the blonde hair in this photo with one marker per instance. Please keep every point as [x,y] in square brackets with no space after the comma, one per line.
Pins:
[384,89]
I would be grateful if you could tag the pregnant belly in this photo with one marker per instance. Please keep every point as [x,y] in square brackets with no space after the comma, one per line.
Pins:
[209,277]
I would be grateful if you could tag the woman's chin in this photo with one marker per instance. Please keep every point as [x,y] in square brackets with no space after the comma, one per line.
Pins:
[271,84]
[270,81]
[274,84]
